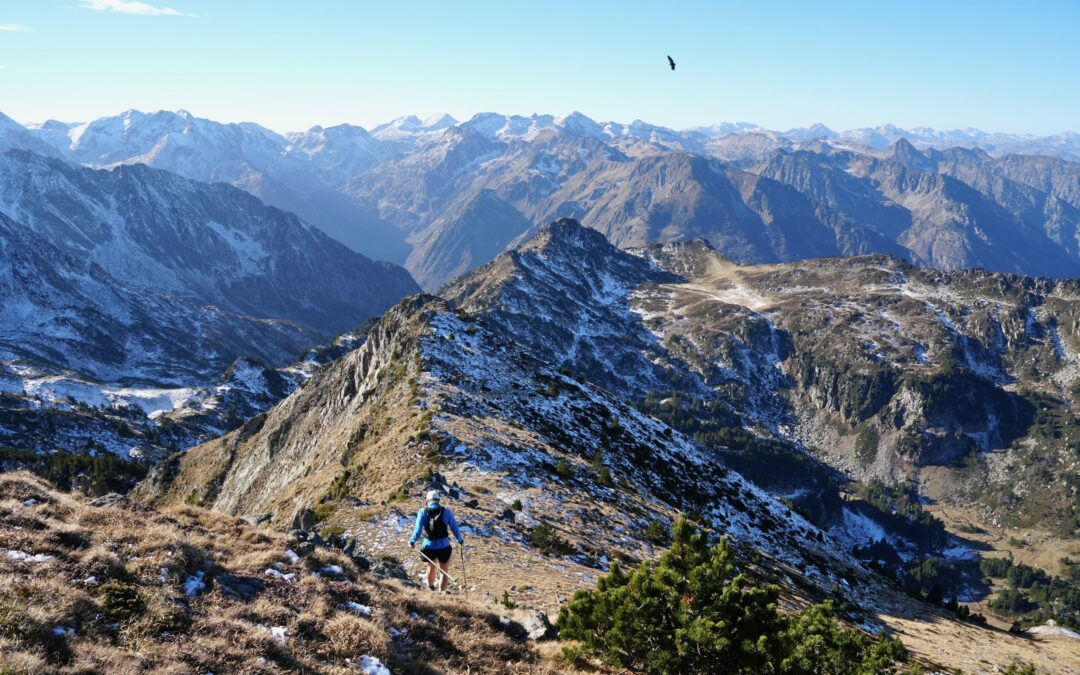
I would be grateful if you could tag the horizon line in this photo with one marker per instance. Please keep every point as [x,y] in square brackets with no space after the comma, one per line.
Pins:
[753,126]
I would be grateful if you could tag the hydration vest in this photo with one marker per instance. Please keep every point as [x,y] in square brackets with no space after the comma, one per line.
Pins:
[435,524]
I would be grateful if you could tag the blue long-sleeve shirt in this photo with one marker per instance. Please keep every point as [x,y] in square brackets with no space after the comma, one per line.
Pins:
[451,524]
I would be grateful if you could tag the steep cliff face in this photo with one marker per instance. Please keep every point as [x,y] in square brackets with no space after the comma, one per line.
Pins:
[287,457]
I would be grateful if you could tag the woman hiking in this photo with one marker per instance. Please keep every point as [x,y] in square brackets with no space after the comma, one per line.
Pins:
[436,522]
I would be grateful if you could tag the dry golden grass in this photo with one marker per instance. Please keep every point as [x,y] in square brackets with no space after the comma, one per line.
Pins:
[350,635]
[110,598]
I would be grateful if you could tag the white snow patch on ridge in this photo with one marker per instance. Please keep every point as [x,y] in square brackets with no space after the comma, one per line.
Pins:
[151,401]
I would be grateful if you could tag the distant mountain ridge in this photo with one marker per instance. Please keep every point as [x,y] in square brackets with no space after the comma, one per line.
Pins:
[140,275]
[442,196]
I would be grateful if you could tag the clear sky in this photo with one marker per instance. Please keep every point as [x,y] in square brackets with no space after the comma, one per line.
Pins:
[1001,66]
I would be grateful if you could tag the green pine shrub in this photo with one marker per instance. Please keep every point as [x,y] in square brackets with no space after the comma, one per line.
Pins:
[693,612]
[545,538]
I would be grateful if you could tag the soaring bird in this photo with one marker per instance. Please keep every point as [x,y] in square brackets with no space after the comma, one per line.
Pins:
[671,62]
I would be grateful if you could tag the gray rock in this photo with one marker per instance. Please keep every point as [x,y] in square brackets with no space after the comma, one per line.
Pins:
[349,548]
[237,587]
[304,519]
[297,535]
[111,499]
[507,514]
[536,625]
[361,562]
[314,538]
[513,628]
[472,503]
[389,569]
[305,548]
[525,520]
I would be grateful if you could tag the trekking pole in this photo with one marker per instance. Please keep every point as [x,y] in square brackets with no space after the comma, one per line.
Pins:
[438,567]
[464,576]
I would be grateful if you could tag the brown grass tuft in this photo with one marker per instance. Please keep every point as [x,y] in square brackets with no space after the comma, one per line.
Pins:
[349,636]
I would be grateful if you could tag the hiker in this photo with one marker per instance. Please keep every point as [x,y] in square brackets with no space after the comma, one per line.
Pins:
[436,522]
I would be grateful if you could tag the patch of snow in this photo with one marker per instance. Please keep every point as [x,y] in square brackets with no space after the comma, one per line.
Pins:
[280,635]
[23,556]
[357,608]
[1051,628]
[271,572]
[369,665]
[55,390]
[958,551]
[195,584]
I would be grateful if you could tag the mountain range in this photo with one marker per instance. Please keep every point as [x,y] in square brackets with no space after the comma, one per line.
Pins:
[138,274]
[855,354]
[585,391]
[442,197]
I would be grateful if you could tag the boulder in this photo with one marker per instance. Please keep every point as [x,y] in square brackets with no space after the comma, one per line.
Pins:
[536,625]
[525,520]
[389,569]
[238,587]
[512,628]
[111,499]
[349,547]
[361,562]
[304,519]
[305,548]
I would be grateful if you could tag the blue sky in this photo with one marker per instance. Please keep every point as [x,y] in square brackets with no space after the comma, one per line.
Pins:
[1000,66]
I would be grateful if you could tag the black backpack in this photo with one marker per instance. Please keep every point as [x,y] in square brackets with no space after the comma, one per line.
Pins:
[435,524]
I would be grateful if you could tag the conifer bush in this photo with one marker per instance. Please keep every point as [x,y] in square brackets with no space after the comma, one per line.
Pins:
[693,612]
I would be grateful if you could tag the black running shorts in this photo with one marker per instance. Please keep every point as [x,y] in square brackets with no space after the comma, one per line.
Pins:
[440,554]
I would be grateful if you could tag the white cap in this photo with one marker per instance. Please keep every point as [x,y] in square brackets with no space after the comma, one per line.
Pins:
[433,495]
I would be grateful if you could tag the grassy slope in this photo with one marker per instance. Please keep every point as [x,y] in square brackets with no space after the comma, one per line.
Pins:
[153,554]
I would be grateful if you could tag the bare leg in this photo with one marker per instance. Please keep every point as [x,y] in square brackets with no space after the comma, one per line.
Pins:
[430,575]
[444,578]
